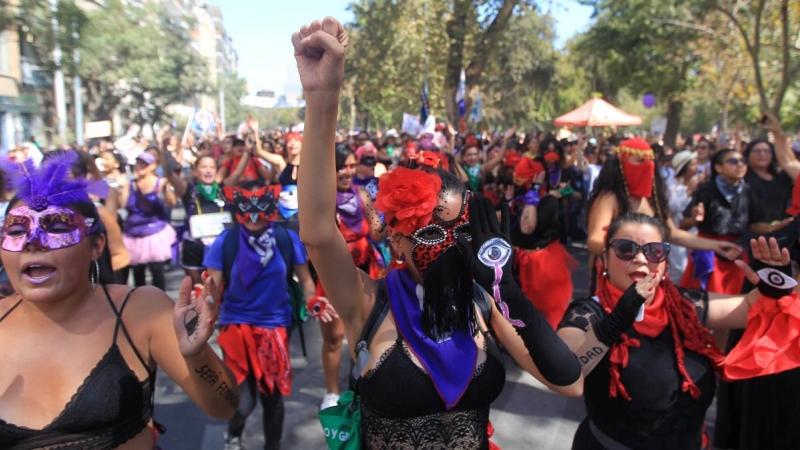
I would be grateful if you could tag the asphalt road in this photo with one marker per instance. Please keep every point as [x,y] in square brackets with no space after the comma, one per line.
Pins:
[526,416]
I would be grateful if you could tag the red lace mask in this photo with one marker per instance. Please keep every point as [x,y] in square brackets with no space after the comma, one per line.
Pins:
[254,205]
[432,240]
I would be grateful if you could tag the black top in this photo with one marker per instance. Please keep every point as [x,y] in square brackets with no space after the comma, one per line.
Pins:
[548,227]
[773,196]
[401,408]
[197,204]
[111,406]
[285,178]
[660,415]
[724,218]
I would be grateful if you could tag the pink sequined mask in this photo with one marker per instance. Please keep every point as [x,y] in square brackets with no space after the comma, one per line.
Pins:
[53,228]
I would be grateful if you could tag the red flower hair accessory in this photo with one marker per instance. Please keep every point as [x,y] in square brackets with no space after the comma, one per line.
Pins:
[425,158]
[408,197]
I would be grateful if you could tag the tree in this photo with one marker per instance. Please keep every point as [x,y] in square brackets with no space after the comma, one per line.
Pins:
[518,83]
[138,58]
[474,29]
[638,52]
[769,31]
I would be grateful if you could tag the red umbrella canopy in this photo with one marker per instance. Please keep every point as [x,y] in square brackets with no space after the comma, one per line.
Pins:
[597,113]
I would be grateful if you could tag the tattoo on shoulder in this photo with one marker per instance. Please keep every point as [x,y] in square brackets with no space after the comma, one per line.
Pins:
[190,321]
[592,354]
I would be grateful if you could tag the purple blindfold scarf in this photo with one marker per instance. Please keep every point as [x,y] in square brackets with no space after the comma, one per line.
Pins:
[350,209]
[451,363]
[254,254]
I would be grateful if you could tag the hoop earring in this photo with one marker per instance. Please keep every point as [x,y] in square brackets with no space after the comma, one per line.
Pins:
[399,263]
[95,278]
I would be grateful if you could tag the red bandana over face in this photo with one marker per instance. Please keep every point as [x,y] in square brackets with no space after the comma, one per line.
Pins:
[254,205]
[432,240]
[638,177]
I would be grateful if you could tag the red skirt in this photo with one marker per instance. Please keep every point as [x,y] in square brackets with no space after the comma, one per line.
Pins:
[726,278]
[264,352]
[545,276]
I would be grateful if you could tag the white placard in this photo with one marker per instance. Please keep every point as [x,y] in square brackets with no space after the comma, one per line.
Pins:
[206,227]
[97,129]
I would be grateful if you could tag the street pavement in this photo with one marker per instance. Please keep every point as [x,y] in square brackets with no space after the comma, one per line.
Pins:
[526,416]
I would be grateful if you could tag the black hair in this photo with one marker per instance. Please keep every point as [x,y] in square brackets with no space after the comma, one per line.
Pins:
[252,185]
[637,218]
[773,165]
[543,146]
[237,142]
[120,160]
[719,158]
[612,180]
[343,151]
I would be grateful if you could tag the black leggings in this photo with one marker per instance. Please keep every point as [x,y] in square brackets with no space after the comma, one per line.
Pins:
[157,270]
[272,405]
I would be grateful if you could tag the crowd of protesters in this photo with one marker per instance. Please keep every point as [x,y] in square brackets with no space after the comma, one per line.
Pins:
[667,230]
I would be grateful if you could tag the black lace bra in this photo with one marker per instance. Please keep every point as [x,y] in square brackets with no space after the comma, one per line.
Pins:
[401,409]
[111,406]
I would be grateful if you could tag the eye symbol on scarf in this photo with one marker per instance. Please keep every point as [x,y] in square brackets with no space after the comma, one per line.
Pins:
[494,254]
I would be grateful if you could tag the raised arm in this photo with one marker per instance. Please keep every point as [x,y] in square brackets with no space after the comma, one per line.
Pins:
[784,154]
[179,344]
[174,179]
[320,49]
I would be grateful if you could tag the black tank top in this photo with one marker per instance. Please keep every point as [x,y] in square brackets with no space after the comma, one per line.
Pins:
[401,408]
[111,406]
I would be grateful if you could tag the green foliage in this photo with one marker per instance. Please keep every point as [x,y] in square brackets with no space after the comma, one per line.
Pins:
[139,59]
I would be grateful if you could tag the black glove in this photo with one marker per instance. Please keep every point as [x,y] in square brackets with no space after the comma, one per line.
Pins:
[609,330]
[491,266]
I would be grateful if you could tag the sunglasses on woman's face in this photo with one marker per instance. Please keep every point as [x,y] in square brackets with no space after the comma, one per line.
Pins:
[654,252]
[735,161]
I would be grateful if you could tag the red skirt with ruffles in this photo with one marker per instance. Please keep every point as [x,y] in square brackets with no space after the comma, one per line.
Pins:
[264,352]
[545,276]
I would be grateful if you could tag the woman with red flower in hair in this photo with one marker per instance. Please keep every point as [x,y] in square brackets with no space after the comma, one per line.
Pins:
[430,370]
[646,353]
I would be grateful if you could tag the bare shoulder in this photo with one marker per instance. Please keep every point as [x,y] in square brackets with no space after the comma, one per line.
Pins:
[142,303]
[7,303]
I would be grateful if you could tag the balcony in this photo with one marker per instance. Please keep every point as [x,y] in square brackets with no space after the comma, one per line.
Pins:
[33,75]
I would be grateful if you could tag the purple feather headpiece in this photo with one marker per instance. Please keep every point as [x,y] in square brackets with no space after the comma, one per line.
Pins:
[51,184]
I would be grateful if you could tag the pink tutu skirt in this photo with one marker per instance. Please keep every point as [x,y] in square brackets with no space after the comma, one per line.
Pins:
[154,248]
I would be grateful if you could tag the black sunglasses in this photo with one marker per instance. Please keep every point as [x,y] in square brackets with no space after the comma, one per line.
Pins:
[654,252]
[735,161]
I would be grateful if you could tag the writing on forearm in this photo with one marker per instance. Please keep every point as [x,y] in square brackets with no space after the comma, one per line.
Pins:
[594,352]
[590,353]
[224,390]
[230,395]
[208,375]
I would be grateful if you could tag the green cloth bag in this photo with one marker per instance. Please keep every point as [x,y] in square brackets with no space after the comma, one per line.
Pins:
[342,423]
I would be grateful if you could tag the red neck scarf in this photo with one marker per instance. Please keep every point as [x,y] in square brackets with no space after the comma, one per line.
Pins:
[639,177]
[668,308]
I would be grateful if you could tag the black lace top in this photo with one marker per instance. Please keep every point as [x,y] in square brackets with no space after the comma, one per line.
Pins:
[659,416]
[111,407]
[402,411]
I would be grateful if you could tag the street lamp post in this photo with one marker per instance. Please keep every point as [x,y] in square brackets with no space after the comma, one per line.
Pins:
[58,78]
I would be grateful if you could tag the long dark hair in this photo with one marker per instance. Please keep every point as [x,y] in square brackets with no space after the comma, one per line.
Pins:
[612,180]
[773,164]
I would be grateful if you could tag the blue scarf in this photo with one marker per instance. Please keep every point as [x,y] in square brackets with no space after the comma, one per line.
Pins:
[728,190]
[450,363]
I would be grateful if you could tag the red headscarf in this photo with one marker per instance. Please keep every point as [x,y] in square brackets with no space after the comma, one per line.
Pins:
[526,171]
[638,177]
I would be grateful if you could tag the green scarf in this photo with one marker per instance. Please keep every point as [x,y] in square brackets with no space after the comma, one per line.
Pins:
[209,193]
